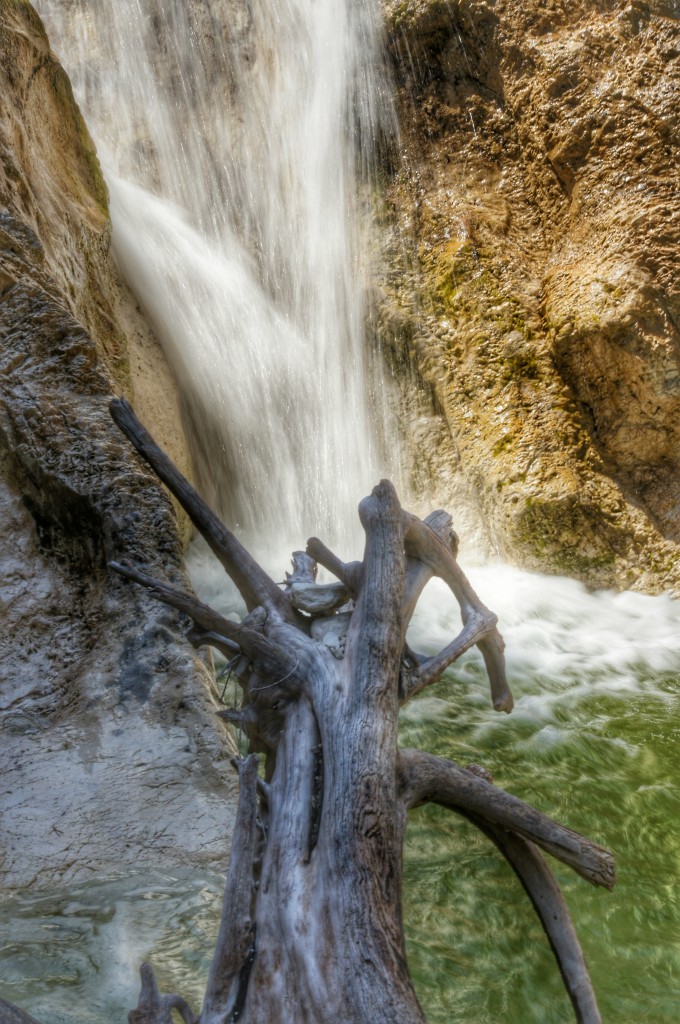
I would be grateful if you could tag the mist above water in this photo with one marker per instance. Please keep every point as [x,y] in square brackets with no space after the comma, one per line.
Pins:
[235,138]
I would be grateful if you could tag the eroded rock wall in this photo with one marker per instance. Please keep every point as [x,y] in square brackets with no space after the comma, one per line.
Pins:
[111,754]
[532,225]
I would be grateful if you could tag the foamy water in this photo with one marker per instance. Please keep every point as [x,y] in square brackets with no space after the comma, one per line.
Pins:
[555,627]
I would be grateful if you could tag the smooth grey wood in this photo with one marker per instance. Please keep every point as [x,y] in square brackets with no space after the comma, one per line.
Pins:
[318,598]
[155,1008]
[417,574]
[426,778]
[311,927]
[254,585]
[349,573]
[424,544]
[548,902]
[236,934]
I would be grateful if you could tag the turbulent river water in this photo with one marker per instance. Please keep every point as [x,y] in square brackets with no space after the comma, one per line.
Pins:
[233,161]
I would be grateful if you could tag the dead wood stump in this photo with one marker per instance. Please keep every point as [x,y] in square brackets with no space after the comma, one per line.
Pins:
[311,928]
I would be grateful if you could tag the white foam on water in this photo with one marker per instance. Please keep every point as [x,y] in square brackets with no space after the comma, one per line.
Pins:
[556,628]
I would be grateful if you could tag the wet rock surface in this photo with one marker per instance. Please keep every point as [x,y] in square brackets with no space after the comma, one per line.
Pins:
[532,228]
[111,752]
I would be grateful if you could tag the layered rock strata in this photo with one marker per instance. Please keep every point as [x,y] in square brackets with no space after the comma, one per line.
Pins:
[532,227]
[111,754]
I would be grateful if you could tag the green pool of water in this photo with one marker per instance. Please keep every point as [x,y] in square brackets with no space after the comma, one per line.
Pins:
[608,768]
[593,742]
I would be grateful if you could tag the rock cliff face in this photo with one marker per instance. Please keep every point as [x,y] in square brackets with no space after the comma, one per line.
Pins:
[532,230]
[110,751]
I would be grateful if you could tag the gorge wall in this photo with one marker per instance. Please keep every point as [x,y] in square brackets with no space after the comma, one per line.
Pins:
[530,232]
[111,753]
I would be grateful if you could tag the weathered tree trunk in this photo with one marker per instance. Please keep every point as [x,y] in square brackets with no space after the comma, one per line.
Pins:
[311,928]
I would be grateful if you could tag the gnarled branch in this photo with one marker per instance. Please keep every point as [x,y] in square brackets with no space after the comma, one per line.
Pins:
[349,573]
[270,657]
[253,583]
[321,694]
[305,594]
[200,638]
[477,627]
[546,896]
[418,573]
[155,1008]
[376,635]
[236,934]
[422,543]
[426,778]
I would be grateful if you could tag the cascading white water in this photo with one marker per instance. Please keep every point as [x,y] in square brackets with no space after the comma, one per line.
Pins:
[232,136]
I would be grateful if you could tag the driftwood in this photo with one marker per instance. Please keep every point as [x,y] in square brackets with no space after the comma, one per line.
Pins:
[311,927]
[10,1014]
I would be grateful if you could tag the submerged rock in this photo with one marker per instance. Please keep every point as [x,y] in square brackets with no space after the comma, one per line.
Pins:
[532,234]
[111,753]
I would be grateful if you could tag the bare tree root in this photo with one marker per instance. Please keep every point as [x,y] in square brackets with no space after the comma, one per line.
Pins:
[311,924]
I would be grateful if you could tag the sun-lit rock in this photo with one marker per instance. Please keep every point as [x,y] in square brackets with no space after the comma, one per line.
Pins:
[537,204]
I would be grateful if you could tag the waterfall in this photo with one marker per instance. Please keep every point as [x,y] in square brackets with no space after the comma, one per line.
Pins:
[235,139]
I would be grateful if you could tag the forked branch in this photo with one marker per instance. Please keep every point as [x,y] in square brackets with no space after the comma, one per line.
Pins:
[305,594]
[314,674]
[268,656]
[477,628]
[418,573]
[430,548]
[429,779]
[512,825]
[155,1008]
[546,896]
[349,573]
[424,544]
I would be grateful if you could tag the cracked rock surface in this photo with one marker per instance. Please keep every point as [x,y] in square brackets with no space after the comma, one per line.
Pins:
[532,230]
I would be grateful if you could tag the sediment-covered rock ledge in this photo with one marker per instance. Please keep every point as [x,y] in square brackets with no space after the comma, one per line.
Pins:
[111,753]
[532,235]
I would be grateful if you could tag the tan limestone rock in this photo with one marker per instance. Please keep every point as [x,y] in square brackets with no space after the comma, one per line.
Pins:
[538,202]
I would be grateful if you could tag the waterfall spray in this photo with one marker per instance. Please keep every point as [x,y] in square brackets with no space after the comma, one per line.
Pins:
[232,137]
